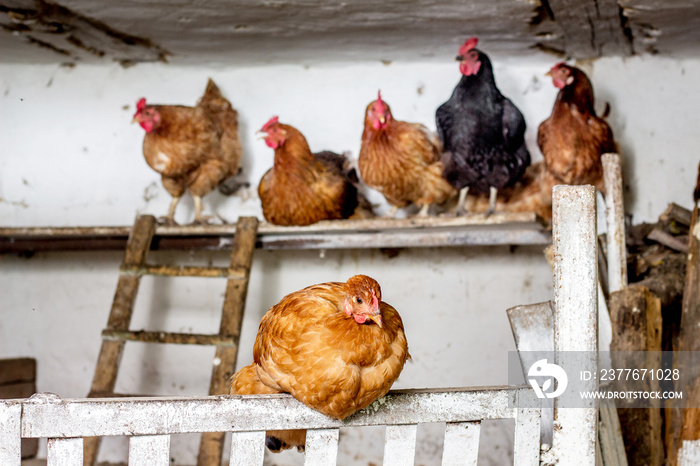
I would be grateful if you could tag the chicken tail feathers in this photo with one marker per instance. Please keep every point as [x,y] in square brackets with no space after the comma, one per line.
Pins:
[214,103]
[211,93]
[329,158]
[355,204]
[278,440]
[232,185]
[247,382]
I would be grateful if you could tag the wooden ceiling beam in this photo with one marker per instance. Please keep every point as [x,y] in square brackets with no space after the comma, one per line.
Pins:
[591,28]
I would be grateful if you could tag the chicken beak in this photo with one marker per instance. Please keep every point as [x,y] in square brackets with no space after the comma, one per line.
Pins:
[261,134]
[376,318]
[134,120]
[459,58]
[382,120]
[548,73]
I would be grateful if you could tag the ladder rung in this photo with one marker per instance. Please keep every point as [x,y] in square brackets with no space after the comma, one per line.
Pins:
[237,273]
[169,337]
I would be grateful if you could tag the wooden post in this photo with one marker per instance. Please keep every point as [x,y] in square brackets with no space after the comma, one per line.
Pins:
[615,217]
[684,424]
[636,317]
[575,314]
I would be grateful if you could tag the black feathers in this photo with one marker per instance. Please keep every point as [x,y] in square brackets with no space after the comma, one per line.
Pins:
[483,134]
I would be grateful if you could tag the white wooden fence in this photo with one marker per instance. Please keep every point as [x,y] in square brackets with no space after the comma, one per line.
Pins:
[149,422]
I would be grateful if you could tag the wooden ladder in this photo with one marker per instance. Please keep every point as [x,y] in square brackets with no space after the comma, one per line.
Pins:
[117,332]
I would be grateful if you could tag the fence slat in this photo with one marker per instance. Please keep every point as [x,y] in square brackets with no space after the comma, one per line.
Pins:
[64,452]
[149,450]
[10,428]
[461,446]
[689,454]
[526,447]
[400,445]
[247,448]
[321,447]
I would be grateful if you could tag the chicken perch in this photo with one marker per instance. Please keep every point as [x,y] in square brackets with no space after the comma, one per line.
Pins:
[193,148]
[303,188]
[402,160]
[336,347]
[481,130]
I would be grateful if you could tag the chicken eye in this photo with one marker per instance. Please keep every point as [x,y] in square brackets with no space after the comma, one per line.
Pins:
[359,300]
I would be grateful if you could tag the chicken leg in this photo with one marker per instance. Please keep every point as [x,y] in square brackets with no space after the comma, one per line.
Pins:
[462,199]
[169,219]
[199,219]
[493,192]
[392,212]
[423,212]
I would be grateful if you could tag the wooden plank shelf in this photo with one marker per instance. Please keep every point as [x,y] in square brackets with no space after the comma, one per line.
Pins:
[469,230]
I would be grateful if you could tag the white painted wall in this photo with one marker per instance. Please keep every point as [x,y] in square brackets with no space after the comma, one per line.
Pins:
[70,157]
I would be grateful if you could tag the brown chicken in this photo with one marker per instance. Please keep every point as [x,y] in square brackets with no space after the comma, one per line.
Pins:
[573,138]
[402,160]
[303,188]
[336,347]
[193,148]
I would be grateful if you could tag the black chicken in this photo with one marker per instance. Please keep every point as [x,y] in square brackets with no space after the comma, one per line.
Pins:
[482,131]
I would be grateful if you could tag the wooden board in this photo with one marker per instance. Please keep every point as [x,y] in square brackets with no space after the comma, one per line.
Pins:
[636,319]
[591,28]
[17,370]
[469,230]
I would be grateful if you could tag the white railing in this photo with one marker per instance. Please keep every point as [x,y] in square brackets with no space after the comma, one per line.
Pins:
[149,422]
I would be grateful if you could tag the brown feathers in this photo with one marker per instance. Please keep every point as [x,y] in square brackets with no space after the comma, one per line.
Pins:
[324,345]
[302,188]
[193,148]
[573,138]
[402,160]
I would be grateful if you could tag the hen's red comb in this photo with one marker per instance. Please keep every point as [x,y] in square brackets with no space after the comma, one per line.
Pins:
[140,104]
[469,44]
[273,121]
[379,96]
[557,66]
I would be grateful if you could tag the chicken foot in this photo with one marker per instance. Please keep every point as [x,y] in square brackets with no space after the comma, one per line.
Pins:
[169,219]
[391,213]
[200,219]
[423,212]
[493,192]
[460,210]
